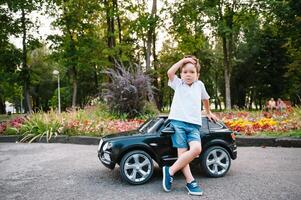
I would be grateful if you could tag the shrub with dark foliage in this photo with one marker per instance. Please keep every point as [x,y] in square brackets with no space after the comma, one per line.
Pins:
[128,91]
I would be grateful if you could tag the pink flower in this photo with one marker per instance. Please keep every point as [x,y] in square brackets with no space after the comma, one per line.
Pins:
[2,127]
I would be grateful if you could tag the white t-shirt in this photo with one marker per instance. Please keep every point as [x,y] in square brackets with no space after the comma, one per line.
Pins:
[187,101]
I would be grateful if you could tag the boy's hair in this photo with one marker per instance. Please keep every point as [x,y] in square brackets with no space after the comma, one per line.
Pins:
[197,64]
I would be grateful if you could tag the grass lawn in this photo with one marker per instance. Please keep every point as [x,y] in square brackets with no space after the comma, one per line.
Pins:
[5,117]
[292,133]
[9,117]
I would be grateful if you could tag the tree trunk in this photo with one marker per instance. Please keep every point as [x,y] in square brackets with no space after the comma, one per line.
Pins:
[230,47]
[158,83]
[2,106]
[96,79]
[216,92]
[118,20]
[110,27]
[227,75]
[227,41]
[28,107]
[25,70]
[74,85]
[144,47]
[251,100]
[73,70]
[150,33]
[161,95]
[154,49]
[110,24]
[148,50]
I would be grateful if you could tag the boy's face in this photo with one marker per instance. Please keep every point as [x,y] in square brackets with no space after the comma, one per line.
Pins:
[189,73]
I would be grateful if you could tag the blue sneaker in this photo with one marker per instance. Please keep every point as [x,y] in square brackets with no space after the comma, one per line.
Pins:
[194,189]
[167,179]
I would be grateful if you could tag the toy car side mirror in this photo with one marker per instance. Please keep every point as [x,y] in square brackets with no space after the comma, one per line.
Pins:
[168,131]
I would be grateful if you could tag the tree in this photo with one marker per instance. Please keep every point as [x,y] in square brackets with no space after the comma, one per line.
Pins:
[151,34]
[268,55]
[77,21]
[10,58]
[187,32]
[225,19]
[291,29]
[42,83]
[167,57]
[5,25]
[110,8]
[22,25]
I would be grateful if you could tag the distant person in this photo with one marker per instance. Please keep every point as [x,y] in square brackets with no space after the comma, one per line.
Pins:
[271,104]
[280,104]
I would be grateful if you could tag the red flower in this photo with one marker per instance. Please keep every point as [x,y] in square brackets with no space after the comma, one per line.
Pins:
[2,127]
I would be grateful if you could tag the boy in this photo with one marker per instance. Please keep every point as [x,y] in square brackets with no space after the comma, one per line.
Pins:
[185,116]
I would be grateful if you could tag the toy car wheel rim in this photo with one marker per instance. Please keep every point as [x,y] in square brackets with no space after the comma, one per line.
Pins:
[137,167]
[217,161]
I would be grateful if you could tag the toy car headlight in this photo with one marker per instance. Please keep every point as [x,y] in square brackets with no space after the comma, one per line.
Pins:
[107,146]
[100,143]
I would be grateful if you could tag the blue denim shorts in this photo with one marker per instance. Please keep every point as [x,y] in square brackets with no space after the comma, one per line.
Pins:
[184,133]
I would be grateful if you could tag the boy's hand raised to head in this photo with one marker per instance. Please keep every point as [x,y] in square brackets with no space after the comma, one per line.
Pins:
[172,71]
[188,60]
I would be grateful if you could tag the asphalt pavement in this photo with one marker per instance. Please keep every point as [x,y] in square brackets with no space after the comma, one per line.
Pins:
[70,171]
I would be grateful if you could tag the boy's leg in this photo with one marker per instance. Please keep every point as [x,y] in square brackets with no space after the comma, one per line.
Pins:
[186,157]
[192,186]
[179,141]
[186,169]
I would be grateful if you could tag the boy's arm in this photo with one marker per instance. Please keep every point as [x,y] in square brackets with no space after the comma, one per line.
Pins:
[209,114]
[172,71]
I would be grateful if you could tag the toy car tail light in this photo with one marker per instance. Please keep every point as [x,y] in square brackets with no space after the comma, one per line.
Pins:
[233,135]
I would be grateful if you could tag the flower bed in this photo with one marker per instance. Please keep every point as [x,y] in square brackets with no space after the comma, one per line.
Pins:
[92,121]
[97,121]
[14,123]
[252,123]
[97,127]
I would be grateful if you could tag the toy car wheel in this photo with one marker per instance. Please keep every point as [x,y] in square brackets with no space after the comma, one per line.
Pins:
[136,167]
[216,161]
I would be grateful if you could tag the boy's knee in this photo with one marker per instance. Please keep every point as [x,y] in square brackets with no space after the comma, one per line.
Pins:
[199,150]
[196,150]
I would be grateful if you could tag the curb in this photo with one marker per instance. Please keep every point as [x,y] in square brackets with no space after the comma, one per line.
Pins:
[247,141]
[85,140]
[243,141]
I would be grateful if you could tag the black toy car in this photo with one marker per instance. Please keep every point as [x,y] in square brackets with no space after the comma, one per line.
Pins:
[136,151]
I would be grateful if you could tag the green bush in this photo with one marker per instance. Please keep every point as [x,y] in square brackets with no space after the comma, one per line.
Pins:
[11,131]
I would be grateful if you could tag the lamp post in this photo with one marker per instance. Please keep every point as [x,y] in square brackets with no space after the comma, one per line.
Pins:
[57,73]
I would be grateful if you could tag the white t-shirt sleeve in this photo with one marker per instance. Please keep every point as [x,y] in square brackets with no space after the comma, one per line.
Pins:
[174,83]
[204,93]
